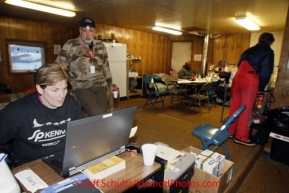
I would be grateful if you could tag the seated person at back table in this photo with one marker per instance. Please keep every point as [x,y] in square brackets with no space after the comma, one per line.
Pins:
[37,122]
[186,72]
[220,91]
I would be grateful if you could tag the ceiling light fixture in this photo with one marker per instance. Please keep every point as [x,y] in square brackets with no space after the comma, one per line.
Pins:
[39,7]
[246,23]
[157,28]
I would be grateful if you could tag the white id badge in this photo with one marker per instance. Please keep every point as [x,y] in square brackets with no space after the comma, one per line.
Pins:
[92,69]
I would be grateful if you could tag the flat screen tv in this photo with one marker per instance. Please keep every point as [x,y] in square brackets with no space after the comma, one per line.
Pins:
[25,56]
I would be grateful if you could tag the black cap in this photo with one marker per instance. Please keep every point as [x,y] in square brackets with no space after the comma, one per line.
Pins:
[86,22]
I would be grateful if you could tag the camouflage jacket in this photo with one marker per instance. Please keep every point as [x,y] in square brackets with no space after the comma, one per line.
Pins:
[78,62]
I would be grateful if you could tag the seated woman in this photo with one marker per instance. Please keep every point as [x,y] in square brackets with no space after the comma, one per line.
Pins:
[37,122]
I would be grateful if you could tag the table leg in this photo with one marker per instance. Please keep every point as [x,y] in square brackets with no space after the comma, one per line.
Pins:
[224,101]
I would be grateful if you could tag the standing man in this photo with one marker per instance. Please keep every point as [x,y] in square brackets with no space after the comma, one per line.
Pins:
[87,63]
[255,69]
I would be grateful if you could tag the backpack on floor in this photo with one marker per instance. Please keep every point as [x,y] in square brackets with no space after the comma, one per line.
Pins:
[259,133]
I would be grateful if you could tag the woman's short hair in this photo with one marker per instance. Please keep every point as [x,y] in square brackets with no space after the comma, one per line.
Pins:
[267,37]
[50,74]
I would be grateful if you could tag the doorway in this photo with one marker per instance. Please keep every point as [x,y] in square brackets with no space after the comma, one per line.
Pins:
[181,52]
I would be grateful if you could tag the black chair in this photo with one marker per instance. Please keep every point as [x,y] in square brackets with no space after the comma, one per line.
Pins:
[177,92]
[211,135]
[212,91]
[200,97]
[154,95]
[7,148]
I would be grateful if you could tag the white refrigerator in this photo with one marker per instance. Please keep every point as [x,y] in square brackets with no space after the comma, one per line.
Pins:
[118,66]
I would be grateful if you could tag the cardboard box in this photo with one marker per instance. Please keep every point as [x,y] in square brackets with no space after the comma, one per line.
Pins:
[221,159]
[203,162]
[211,166]
[200,159]
[203,182]
[207,153]
[132,74]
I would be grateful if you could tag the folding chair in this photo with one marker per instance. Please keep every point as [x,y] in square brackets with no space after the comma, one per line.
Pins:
[175,90]
[211,91]
[198,98]
[211,135]
[153,94]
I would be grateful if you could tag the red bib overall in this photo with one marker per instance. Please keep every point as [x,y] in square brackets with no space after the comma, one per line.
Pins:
[243,92]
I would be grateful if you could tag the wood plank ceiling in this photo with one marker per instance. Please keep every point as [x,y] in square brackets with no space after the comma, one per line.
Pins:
[203,16]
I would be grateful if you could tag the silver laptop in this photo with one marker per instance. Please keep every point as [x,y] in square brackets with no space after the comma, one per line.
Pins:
[92,140]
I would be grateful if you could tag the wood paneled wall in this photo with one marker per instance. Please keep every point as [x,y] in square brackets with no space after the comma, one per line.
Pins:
[281,92]
[150,47]
[229,48]
[224,47]
[21,29]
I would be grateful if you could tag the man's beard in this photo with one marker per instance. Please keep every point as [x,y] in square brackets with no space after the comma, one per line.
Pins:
[87,40]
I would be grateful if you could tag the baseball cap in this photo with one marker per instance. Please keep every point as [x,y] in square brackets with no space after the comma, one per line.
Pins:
[86,22]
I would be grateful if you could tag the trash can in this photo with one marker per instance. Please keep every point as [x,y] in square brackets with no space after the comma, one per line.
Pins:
[280,146]
[278,122]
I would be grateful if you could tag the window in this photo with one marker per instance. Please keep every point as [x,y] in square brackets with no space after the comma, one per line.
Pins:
[25,56]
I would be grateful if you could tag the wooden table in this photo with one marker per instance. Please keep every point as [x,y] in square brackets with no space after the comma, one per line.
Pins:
[135,171]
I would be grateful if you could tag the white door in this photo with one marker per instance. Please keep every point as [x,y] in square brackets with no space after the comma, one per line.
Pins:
[181,53]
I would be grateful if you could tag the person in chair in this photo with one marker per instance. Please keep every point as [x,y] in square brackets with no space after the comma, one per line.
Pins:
[35,125]
[187,72]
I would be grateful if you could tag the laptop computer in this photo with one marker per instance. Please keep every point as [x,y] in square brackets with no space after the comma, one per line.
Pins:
[92,140]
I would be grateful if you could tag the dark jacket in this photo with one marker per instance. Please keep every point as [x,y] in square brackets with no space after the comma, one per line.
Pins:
[261,58]
[185,73]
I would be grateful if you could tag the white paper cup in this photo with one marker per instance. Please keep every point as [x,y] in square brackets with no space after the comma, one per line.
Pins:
[149,153]
[115,93]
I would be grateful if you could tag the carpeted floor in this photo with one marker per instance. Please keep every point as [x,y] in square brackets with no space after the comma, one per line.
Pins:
[266,176]
[173,126]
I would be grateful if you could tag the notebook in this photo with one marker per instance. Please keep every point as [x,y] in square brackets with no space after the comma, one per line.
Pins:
[92,140]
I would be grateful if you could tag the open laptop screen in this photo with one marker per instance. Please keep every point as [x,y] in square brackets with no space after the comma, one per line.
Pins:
[93,137]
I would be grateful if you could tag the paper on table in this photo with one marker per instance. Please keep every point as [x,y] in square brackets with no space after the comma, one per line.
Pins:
[168,153]
[133,131]
[180,81]
[30,180]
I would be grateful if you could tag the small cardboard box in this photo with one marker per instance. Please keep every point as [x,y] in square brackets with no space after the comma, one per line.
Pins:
[132,74]
[211,166]
[200,159]
[216,168]
[207,153]
[203,182]
[221,159]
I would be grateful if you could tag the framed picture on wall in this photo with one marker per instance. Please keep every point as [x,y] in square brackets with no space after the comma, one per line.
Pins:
[25,56]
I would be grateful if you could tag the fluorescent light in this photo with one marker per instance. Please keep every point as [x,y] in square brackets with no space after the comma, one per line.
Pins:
[246,23]
[39,7]
[157,28]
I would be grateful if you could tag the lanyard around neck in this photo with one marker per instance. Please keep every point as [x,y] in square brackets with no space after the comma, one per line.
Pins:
[86,50]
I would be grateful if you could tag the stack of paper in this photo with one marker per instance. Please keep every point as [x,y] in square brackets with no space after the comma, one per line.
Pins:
[105,168]
[169,154]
